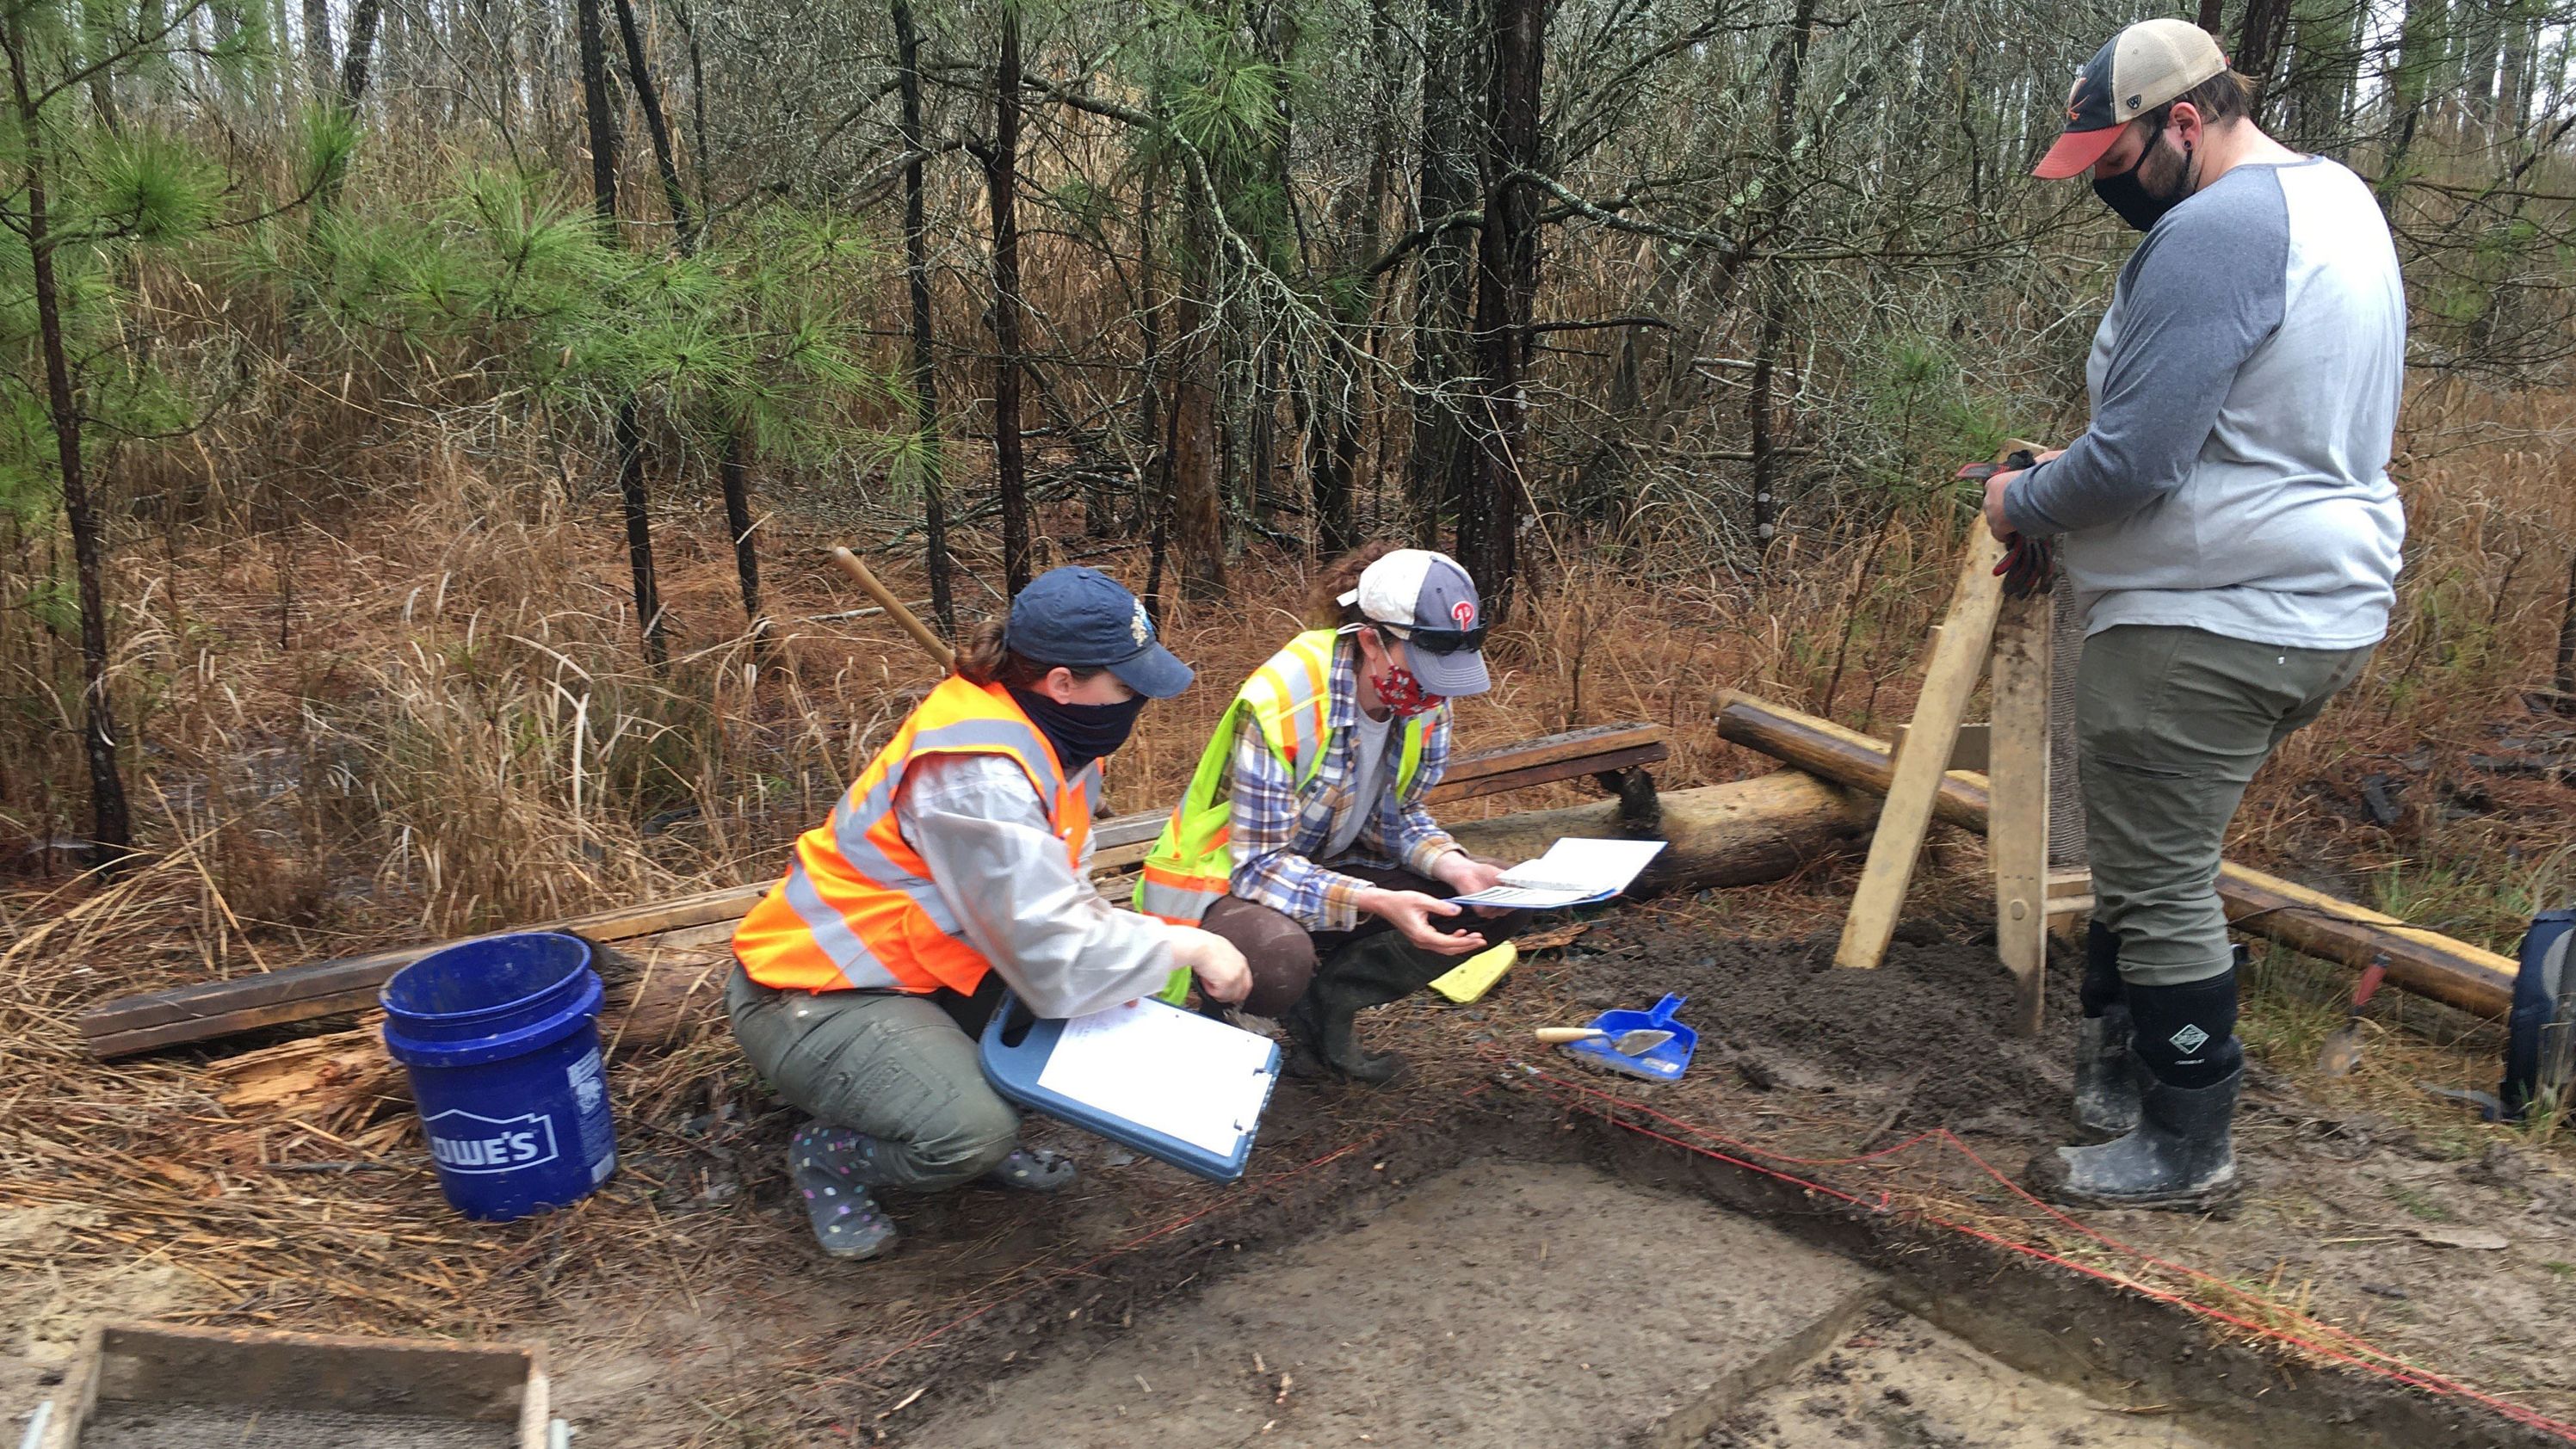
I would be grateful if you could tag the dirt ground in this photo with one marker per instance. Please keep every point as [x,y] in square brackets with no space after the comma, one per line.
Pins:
[683,1306]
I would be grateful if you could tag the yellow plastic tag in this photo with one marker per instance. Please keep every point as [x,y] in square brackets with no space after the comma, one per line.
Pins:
[1477,974]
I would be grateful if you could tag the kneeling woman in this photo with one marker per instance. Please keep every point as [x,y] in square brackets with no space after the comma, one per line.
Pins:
[957,865]
[1303,838]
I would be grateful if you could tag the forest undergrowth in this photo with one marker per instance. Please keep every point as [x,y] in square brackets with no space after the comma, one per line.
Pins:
[426,714]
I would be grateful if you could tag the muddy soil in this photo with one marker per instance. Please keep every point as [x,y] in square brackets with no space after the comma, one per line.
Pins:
[1900,1383]
[1502,1304]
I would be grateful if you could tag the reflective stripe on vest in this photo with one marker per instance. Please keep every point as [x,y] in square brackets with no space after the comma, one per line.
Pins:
[1288,699]
[857,908]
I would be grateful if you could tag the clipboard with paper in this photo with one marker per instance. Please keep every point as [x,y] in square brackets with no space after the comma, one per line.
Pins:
[1171,1084]
[1573,872]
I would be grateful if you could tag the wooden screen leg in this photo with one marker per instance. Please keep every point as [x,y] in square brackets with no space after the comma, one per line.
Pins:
[2017,769]
[1959,648]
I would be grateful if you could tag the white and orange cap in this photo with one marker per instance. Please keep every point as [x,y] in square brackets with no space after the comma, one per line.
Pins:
[2143,67]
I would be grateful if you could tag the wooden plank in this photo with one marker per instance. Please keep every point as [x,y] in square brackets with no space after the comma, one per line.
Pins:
[1551,749]
[2420,959]
[1540,774]
[339,980]
[116,1044]
[2017,842]
[1959,647]
[79,1399]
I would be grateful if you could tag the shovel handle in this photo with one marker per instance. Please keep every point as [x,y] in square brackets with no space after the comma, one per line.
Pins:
[930,643]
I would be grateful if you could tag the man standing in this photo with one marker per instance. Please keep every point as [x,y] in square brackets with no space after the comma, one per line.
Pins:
[2229,526]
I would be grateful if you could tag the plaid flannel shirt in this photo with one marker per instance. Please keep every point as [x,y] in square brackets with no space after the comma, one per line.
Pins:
[1277,827]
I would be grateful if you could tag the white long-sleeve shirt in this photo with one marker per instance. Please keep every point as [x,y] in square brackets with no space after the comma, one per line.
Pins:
[1063,949]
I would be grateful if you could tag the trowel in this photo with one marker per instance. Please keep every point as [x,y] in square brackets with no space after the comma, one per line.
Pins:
[1627,1044]
[1648,1044]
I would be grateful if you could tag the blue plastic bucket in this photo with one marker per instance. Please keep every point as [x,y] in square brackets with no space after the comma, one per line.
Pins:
[501,1039]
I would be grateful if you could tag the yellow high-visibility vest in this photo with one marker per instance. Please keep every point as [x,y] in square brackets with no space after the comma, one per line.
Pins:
[1288,699]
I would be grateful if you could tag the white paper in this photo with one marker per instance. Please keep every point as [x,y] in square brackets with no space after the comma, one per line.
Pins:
[1168,1070]
[1573,872]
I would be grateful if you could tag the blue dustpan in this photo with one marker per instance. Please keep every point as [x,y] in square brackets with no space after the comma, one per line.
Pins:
[1656,1064]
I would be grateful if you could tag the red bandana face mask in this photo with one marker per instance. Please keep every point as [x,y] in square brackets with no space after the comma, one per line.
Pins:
[1400,692]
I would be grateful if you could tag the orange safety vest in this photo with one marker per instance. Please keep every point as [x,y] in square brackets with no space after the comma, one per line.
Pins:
[857,908]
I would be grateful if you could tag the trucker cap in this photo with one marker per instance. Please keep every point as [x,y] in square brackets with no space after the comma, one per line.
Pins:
[1083,618]
[1414,590]
[2143,67]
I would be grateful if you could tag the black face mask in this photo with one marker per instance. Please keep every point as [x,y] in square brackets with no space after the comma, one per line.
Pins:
[2129,196]
[1081,733]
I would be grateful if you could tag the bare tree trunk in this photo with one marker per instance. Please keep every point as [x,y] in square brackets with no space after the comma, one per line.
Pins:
[1198,508]
[1788,65]
[1002,182]
[925,371]
[1440,467]
[627,431]
[2259,34]
[2421,45]
[317,45]
[733,472]
[1506,284]
[1152,481]
[2212,17]
[111,820]
[697,102]
[649,96]
[595,112]
[354,70]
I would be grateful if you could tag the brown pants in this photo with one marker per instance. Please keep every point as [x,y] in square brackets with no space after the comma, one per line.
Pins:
[1282,954]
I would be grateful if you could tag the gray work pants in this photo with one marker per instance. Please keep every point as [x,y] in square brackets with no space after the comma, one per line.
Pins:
[898,1067]
[2170,724]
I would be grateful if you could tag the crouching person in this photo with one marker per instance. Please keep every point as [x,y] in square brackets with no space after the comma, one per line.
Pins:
[955,866]
[1303,839]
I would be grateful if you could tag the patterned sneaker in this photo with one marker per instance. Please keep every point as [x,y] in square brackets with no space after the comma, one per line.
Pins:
[827,1164]
[1031,1169]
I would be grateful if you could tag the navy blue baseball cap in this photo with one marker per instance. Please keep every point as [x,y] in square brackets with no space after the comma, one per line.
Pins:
[1083,618]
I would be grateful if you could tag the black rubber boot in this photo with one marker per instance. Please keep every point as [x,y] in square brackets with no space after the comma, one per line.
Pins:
[2181,1155]
[1031,1169]
[829,1165]
[1371,971]
[2106,1072]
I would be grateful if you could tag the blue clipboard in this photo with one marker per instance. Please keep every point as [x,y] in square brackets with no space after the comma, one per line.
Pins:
[1014,1052]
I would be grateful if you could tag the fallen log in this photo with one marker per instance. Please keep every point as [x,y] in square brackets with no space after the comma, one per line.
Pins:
[2421,960]
[1730,834]
[211,1009]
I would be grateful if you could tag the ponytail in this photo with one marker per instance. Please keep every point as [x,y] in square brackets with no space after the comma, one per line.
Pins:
[986,660]
[1325,609]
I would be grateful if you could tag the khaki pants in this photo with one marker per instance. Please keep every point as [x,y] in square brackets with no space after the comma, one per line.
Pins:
[901,1068]
[2171,723]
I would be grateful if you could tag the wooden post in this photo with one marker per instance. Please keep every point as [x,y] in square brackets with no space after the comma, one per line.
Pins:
[1959,646]
[2017,839]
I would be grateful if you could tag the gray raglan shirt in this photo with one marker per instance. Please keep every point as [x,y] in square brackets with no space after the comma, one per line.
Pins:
[2244,386]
